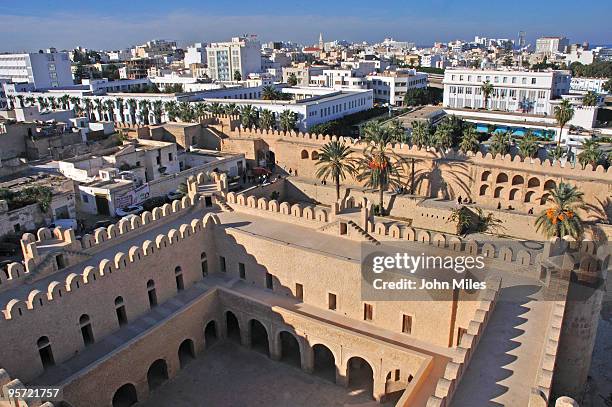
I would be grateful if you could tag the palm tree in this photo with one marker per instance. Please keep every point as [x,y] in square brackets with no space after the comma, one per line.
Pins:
[171,108]
[30,100]
[397,129]
[64,99]
[42,103]
[88,107]
[120,107]
[561,219]
[237,76]
[131,102]
[231,109]
[52,102]
[199,110]
[500,143]
[421,134]
[590,154]
[487,89]
[266,119]
[292,80]
[287,120]
[563,114]
[469,140]
[110,108]
[462,219]
[185,112]
[216,108]
[335,161]
[557,153]
[158,110]
[529,145]
[590,99]
[248,116]
[144,111]
[98,106]
[21,98]
[269,93]
[380,167]
[443,137]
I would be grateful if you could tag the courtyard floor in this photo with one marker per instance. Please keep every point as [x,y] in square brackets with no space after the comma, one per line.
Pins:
[228,375]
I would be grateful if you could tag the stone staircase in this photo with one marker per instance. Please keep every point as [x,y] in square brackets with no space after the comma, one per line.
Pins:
[223,205]
[46,267]
[365,235]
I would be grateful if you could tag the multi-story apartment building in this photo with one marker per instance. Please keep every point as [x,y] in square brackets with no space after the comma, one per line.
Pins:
[551,45]
[136,68]
[43,69]
[391,86]
[513,91]
[196,54]
[302,72]
[154,48]
[241,54]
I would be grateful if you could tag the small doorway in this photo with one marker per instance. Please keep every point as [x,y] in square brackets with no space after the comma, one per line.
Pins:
[102,205]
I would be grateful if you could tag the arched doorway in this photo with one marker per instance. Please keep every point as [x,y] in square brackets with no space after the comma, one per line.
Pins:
[360,375]
[186,352]
[233,328]
[324,362]
[210,334]
[157,374]
[290,349]
[125,396]
[259,337]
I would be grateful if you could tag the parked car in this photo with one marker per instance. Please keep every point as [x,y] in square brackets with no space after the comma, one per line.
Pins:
[129,210]
[102,224]
[65,224]
[174,195]
[153,203]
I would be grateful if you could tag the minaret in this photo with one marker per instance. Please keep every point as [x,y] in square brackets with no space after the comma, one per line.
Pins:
[321,41]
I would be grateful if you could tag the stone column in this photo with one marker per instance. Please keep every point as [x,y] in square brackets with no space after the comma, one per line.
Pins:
[307,359]
[245,335]
[274,345]
[379,389]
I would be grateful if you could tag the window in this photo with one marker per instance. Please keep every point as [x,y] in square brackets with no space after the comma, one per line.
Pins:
[178,276]
[45,352]
[406,324]
[204,263]
[86,330]
[169,156]
[331,301]
[151,293]
[368,311]
[158,160]
[85,198]
[269,284]
[120,310]
[299,291]
[242,271]
[222,264]
[533,81]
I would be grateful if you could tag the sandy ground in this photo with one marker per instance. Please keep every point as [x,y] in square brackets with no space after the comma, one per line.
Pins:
[228,375]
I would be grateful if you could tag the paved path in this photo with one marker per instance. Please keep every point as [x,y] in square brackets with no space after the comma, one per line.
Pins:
[504,367]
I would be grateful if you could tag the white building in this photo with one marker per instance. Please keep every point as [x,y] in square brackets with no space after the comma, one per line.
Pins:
[242,54]
[551,45]
[430,60]
[311,105]
[195,54]
[588,84]
[43,70]
[513,90]
[391,86]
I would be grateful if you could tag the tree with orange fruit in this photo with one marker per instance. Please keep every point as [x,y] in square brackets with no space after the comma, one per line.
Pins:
[561,219]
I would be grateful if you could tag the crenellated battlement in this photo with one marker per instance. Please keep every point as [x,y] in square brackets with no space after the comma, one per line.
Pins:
[121,262]
[264,206]
[516,162]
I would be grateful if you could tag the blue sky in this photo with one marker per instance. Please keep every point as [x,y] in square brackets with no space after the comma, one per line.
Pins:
[97,24]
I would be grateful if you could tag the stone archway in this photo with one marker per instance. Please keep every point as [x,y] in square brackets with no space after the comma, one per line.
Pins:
[157,374]
[360,375]
[210,334]
[259,337]
[290,349]
[186,352]
[324,362]
[125,396]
